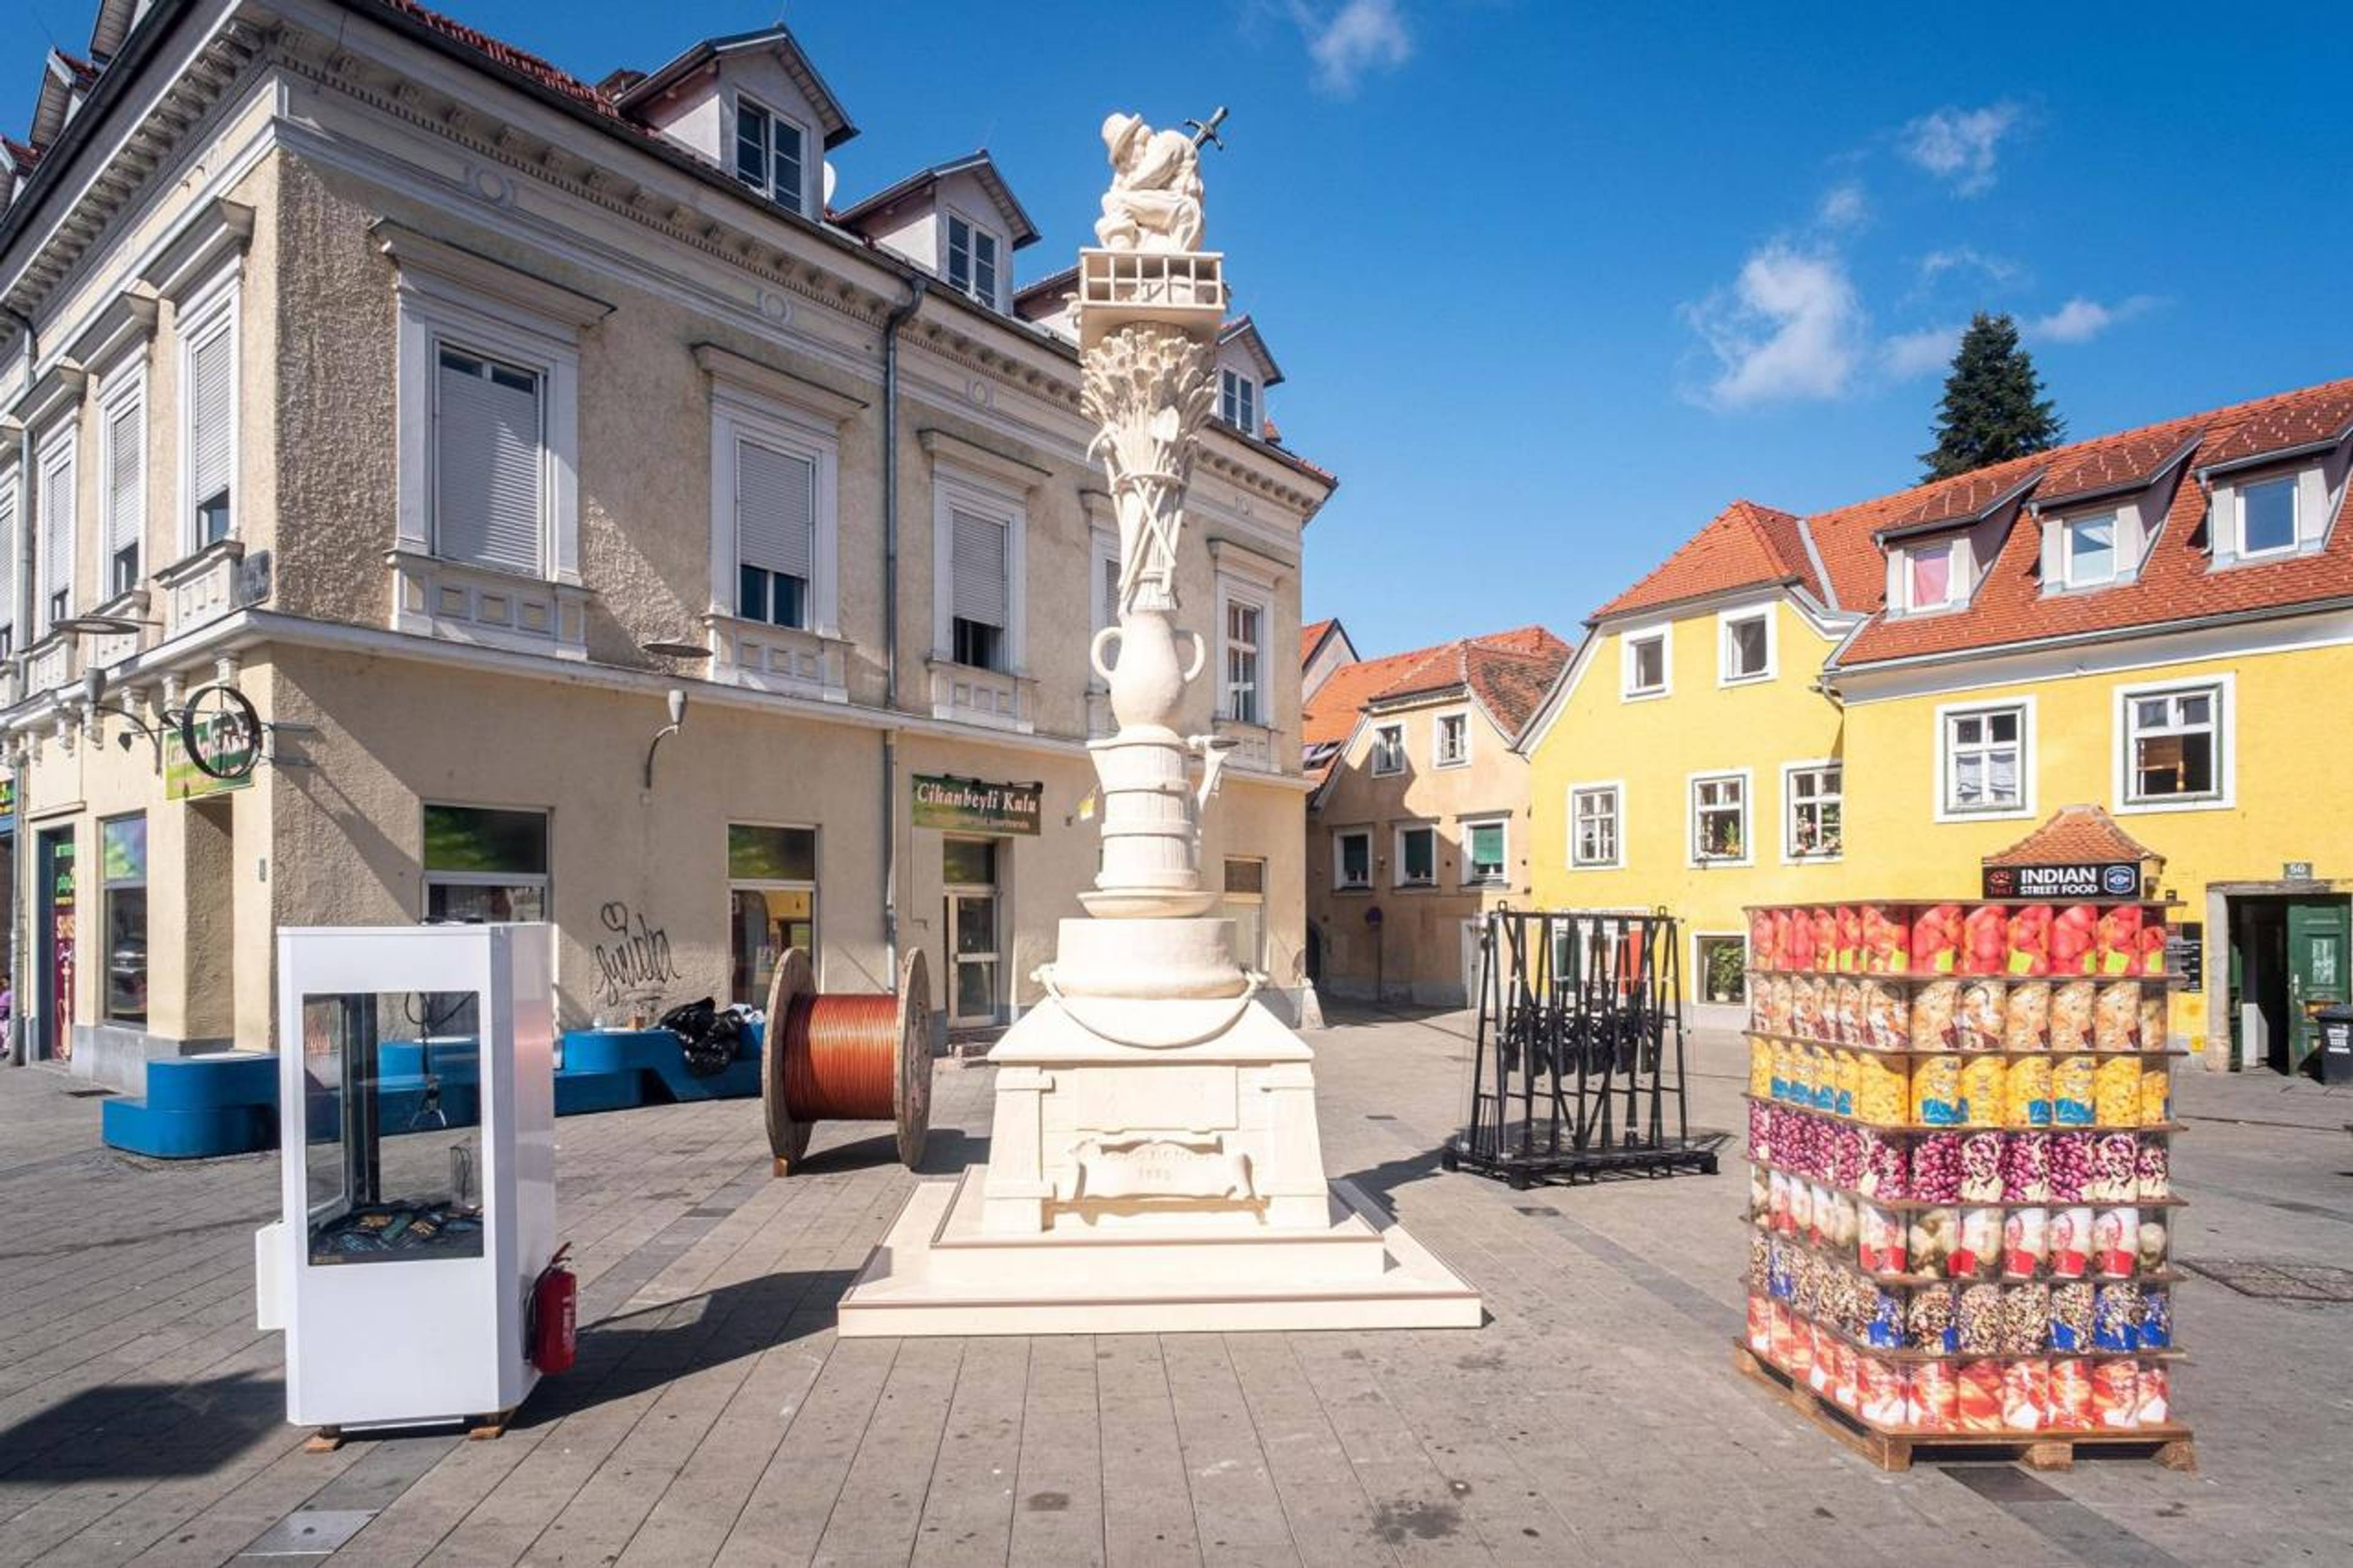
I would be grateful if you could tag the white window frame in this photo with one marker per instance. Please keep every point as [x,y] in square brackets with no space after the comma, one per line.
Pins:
[1230,594]
[1745,778]
[1956,594]
[1503,878]
[62,436]
[768,187]
[1616,790]
[2067,527]
[1396,846]
[1664,631]
[1374,753]
[776,885]
[1790,854]
[1340,883]
[975,231]
[739,415]
[127,388]
[2294,480]
[960,489]
[212,309]
[1724,622]
[1941,782]
[1697,988]
[2224,685]
[435,311]
[1438,722]
[543,881]
[1238,400]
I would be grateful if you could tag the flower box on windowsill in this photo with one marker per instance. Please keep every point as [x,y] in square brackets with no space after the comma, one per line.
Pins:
[1253,745]
[991,698]
[201,587]
[462,603]
[785,660]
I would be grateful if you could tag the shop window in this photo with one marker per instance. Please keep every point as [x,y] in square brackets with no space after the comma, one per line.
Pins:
[122,868]
[1984,760]
[484,865]
[771,903]
[1352,860]
[1486,845]
[1593,813]
[1246,907]
[968,870]
[1416,856]
[968,862]
[2174,745]
[1719,818]
[1817,797]
[1722,964]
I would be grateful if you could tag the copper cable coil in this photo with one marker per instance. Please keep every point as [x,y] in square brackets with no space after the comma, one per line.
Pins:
[846,1059]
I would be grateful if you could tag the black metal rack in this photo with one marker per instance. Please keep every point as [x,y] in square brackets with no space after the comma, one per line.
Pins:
[1578,1066]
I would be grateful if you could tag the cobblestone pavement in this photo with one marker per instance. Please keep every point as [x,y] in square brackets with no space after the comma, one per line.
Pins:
[713,1416]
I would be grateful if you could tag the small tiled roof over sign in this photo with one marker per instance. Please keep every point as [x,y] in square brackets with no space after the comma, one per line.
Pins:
[2075,832]
[1748,546]
[1507,673]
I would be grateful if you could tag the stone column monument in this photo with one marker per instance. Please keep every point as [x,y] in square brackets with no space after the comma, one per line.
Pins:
[1153,1164]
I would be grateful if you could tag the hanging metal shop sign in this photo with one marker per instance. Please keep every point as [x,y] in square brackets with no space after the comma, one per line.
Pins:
[216,746]
[2065,880]
[978,806]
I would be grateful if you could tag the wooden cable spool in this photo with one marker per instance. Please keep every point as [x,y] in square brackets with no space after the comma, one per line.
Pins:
[846,1059]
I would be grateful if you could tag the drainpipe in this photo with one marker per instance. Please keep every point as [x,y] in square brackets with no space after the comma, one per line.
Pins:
[916,288]
[16,1047]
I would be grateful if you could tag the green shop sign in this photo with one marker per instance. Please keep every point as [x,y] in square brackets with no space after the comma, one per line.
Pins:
[977,805]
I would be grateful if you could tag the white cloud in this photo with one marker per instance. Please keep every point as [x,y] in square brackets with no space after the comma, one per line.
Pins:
[1996,268]
[1959,144]
[1790,327]
[1359,38]
[2079,321]
[1845,205]
[1907,354]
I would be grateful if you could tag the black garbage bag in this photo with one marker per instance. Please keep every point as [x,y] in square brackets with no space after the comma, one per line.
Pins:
[707,1037]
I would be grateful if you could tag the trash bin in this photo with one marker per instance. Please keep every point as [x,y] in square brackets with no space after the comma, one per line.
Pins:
[2336,1042]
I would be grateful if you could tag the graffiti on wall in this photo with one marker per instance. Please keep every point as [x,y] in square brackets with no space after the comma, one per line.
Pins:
[635,957]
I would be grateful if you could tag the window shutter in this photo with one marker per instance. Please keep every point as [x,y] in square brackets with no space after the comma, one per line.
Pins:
[776,510]
[487,507]
[58,530]
[124,431]
[211,376]
[978,569]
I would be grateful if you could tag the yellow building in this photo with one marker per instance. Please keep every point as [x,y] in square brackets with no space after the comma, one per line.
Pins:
[2160,623]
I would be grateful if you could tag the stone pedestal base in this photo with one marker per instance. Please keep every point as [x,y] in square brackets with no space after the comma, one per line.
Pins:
[940,1272]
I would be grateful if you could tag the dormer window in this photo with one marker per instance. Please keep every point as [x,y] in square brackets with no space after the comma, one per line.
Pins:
[972,260]
[2088,551]
[1238,400]
[2267,520]
[769,154]
[1930,580]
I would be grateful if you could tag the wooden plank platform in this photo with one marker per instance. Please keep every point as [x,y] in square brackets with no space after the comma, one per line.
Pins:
[2168,1445]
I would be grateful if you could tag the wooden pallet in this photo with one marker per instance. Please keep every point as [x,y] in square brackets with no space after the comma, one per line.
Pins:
[2168,1445]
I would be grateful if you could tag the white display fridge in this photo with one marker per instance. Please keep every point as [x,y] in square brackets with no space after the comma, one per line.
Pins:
[417,1128]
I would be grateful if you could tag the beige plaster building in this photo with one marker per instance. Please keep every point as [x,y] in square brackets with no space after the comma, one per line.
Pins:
[1419,822]
[456,414]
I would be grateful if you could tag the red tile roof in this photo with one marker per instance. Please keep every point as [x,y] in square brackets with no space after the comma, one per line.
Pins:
[514,59]
[1746,546]
[2178,580]
[1311,634]
[2075,833]
[1509,672]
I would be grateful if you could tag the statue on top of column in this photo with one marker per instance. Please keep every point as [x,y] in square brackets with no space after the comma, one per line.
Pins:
[1154,200]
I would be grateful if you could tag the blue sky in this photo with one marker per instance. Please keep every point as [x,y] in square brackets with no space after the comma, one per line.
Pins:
[1551,284]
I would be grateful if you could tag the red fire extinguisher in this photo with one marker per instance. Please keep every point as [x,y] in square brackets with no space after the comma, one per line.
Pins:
[554,1307]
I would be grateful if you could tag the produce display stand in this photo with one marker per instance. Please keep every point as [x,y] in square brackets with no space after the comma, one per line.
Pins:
[1578,1069]
[1960,1192]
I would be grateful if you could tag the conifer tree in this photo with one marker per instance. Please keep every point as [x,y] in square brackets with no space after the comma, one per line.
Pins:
[1994,409]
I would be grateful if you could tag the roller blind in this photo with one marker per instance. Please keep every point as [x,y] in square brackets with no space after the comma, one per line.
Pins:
[776,510]
[126,427]
[487,452]
[978,572]
[56,528]
[7,549]
[211,377]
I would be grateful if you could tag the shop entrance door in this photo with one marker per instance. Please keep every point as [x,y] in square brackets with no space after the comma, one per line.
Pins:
[55,939]
[975,956]
[2316,934]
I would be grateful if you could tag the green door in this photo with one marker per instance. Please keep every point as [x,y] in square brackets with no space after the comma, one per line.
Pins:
[2316,951]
